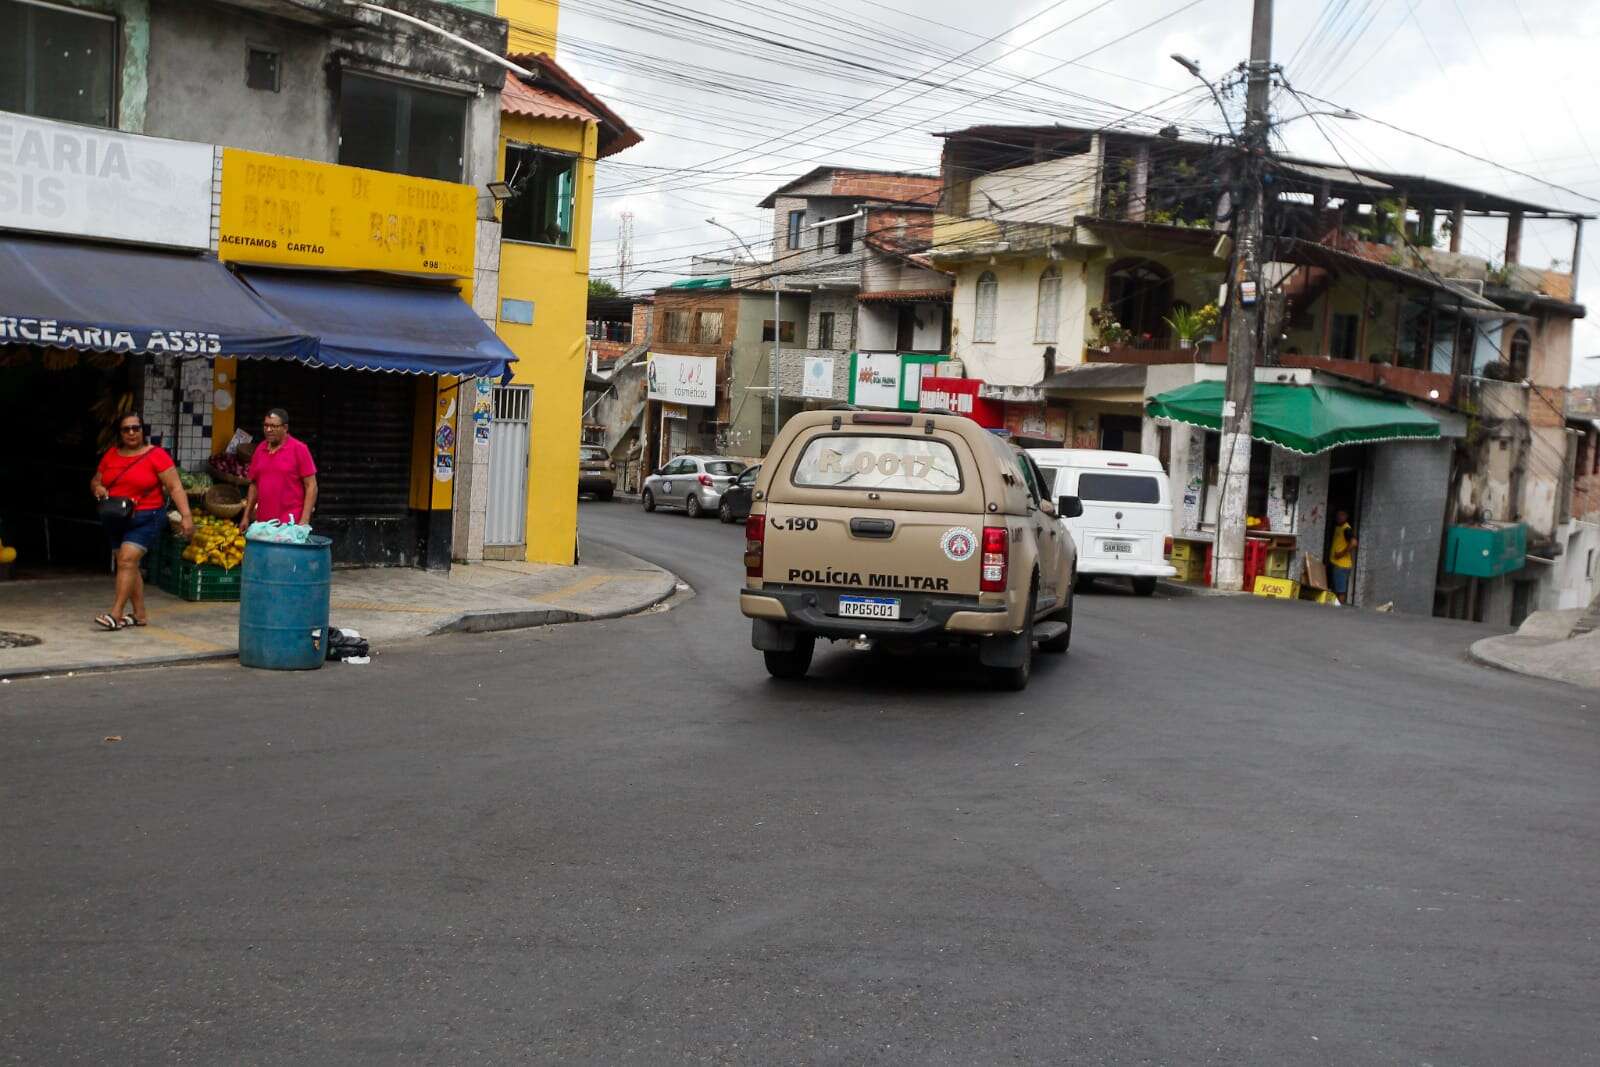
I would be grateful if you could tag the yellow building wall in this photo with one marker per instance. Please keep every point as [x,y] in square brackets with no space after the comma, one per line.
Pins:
[551,352]
[533,24]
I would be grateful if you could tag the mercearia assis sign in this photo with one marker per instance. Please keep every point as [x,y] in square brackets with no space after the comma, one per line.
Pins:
[82,181]
[108,338]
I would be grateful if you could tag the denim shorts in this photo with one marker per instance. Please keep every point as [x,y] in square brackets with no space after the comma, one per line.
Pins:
[143,528]
[1339,578]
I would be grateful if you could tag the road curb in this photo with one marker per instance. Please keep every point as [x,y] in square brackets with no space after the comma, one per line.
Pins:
[471,622]
[1482,653]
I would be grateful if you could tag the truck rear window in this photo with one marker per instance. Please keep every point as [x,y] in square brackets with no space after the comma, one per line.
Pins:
[1119,488]
[897,464]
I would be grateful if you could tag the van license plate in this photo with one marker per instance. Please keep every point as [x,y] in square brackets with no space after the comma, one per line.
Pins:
[869,607]
[1116,546]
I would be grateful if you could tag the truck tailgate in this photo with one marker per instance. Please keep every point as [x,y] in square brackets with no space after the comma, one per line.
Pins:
[872,549]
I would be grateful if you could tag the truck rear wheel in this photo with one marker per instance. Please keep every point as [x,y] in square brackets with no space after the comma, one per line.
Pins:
[1015,679]
[1144,586]
[793,663]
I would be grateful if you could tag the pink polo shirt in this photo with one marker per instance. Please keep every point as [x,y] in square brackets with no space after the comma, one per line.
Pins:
[279,480]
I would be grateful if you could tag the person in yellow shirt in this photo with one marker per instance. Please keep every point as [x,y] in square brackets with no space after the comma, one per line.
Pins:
[1341,555]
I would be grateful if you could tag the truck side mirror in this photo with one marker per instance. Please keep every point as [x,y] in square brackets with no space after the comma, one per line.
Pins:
[1071,507]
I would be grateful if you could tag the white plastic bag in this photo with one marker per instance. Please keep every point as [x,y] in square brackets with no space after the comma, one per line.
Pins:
[239,437]
[283,533]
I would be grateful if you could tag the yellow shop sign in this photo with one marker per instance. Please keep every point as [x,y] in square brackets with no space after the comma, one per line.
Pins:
[276,209]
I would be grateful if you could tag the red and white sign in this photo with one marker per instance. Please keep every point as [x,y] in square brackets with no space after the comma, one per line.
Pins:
[959,396]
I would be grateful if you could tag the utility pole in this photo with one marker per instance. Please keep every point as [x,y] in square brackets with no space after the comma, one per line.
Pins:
[1245,294]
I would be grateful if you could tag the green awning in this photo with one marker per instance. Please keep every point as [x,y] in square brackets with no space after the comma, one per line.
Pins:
[702,283]
[1302,418]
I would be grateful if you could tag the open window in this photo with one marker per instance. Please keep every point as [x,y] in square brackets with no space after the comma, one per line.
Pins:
[542,184]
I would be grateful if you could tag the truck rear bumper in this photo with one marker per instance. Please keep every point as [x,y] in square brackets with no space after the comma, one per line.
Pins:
[1126,568]
[813,611]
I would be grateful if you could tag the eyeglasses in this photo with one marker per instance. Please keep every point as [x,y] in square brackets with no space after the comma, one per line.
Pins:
[272,425]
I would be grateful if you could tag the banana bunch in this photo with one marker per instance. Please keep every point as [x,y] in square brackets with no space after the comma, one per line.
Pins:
[216,541]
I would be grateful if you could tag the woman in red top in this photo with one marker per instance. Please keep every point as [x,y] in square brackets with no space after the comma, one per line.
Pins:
[144,473]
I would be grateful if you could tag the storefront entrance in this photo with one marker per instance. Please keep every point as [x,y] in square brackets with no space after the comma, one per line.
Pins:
[58,408]
[359,427]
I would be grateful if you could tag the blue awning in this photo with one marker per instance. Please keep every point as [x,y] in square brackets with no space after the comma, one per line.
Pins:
[365,325]
[98,298]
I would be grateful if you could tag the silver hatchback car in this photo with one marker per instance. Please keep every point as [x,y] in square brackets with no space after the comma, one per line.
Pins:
[693,483]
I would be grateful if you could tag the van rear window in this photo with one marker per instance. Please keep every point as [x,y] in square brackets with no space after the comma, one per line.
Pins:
[1119,488]
[897,464]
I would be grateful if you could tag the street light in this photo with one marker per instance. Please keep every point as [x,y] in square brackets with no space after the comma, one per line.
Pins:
[1194,68]
[777,325]
[1343,113]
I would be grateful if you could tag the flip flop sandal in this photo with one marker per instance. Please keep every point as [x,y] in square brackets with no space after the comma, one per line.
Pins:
[107,623]
[129,620]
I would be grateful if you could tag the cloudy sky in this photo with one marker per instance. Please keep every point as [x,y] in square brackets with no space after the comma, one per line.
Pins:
[735,97]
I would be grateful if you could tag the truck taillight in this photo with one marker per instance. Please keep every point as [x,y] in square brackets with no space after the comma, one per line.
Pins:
[705,480]
[755,544]
[996,556]
[1166,547]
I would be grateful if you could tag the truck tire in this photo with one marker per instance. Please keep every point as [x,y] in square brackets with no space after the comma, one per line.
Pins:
[1144,586]
[1015,679]
[795,662]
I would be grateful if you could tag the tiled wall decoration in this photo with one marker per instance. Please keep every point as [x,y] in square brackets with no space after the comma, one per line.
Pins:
[180,422]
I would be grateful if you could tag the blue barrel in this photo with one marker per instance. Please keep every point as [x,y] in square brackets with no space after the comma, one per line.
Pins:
[283,604]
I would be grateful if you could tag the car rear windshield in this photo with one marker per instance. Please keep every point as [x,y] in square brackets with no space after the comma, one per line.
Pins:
[1119,488]
[899,464]
[723,467]
[593,453]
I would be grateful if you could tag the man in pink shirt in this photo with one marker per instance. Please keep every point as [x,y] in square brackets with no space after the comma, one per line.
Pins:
[283,479]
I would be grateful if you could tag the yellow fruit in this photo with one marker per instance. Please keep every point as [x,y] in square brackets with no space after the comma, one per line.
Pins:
[8,555]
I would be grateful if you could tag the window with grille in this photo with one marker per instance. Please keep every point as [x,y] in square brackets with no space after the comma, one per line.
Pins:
[988,298]
[710,328]
[1049,311]
[824,329]
[679,326]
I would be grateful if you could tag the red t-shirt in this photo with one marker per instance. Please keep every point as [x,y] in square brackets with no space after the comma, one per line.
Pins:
[279,478]
[136,476]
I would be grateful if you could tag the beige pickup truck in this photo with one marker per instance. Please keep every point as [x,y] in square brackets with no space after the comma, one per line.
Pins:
[899,530]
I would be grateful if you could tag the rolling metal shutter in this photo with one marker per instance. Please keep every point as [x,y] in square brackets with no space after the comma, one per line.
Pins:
[356,423]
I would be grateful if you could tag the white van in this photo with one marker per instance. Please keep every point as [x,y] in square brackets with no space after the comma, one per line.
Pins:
[1126,525]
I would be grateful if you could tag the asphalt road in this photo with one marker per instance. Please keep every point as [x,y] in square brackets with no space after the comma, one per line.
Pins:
[1218,831]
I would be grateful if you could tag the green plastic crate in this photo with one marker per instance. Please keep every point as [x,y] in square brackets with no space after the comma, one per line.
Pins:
[205,581]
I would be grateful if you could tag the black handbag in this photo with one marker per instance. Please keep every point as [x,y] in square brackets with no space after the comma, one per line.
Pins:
[117,510]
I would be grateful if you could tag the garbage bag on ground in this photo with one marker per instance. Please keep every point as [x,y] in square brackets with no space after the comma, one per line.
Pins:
[347,644]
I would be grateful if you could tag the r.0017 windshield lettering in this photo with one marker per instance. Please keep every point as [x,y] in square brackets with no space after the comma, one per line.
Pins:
[887,464]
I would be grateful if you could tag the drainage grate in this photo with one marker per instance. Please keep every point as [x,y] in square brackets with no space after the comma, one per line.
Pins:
[16,640]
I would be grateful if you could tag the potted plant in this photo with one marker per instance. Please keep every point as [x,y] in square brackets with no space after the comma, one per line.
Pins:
[1192,323]
[1108,331]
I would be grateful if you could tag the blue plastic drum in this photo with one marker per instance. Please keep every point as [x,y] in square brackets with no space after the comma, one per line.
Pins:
[283,604]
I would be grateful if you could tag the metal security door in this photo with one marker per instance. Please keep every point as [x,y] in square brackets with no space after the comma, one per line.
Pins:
[507,520]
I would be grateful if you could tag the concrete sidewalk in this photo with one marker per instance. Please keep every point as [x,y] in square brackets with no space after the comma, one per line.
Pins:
[1541,648]
[385,604]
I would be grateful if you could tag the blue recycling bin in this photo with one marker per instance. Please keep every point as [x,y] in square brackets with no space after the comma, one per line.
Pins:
[283,604]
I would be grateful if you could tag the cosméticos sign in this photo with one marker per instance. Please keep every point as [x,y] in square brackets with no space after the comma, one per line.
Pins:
[683,379]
